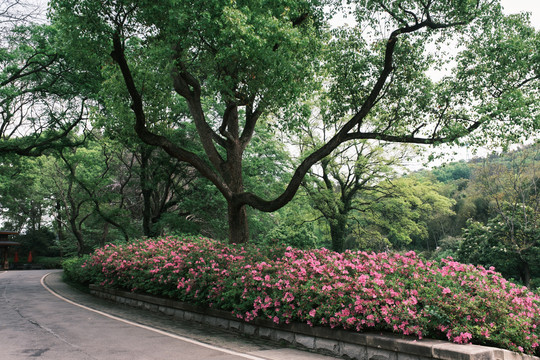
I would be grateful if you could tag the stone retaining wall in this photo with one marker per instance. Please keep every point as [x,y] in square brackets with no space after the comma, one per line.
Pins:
[349,345]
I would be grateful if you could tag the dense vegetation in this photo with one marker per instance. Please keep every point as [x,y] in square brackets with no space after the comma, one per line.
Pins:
[482,212]
[261,123]
[216,90]
[351,290]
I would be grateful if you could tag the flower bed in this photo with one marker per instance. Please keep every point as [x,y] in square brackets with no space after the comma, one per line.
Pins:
[353,290]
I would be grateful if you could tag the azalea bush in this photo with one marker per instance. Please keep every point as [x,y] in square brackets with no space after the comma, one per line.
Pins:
[400,293]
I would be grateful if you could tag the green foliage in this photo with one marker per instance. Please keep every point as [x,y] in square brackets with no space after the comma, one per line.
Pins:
[510,186]
[43,97]
[403,217]
[200,80]
[452,172]
[448,247]
[23,197]
[49,262]
[295,225]
[74,271]
[302,238]
[41,242]
[490,245]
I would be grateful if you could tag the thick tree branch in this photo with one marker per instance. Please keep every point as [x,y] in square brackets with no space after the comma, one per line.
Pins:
[343,135]
[187,86]
[153,139]
[48,141]
[21,72]
[411,139]
[252,116]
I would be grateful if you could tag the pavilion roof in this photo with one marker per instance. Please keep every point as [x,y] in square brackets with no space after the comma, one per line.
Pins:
[8,243]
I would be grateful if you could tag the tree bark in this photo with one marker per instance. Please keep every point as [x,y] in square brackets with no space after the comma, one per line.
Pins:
[525,272]
[146,193]
[238,224]
[337,233]
[104,234]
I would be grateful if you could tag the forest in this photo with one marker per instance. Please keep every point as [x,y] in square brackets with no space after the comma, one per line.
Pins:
[257,121]
[484,211]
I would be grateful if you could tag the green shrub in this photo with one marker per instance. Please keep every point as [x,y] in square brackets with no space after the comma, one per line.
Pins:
[74,270]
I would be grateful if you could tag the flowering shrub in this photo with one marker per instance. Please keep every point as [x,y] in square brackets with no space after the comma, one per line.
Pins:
[352,290]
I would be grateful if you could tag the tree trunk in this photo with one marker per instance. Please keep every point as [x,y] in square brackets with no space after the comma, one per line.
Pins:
[238,224]
[525,272]
[337,232]
[78,236]
[59,225]
[146,192]
[104,234]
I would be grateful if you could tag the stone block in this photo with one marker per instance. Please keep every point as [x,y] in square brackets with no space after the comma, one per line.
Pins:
[402,356]
[222,323]
[178,314]
[209,320]
[450,351]
[285,336]
[305,340]
[353,351]
[168,311]
[380,354]
[150,307]
[419,348]
[191,316]
[327,345]
[235,325]
[267,333]
[249,329]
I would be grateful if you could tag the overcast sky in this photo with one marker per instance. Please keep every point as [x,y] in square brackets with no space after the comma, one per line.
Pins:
[532,6]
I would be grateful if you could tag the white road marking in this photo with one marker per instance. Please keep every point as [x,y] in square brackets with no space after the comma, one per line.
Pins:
[161,332]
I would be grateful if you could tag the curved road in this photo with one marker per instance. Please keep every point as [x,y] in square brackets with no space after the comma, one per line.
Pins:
[36,321]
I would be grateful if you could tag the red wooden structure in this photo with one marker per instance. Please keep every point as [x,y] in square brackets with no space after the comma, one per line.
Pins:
[5,244]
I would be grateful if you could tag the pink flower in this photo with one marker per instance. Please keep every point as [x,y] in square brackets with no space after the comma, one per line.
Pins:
[312,312]
[446,291]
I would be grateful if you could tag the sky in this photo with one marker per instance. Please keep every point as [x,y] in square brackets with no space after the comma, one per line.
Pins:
[516,6]
[462,153]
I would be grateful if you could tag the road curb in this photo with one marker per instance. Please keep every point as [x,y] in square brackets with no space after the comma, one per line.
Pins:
[336,342]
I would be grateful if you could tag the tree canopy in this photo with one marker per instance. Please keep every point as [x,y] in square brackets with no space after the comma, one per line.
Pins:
[42,97]
[231,66]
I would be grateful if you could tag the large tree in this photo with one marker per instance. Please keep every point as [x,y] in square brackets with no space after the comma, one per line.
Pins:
[42,98]
[235,63]
[348,181]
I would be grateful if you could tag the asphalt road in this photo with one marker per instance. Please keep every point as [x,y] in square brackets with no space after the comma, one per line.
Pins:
[41,317]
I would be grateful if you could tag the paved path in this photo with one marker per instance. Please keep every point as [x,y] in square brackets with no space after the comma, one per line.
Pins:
[36,321]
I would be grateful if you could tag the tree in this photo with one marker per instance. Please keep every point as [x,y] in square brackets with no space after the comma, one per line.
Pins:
[24,201]
[402,220]
[42,98]
[236,63]
[349,181]
[513,229]
[89,191]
